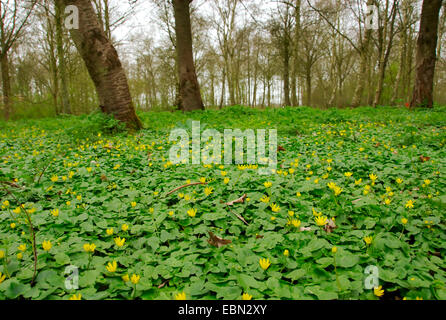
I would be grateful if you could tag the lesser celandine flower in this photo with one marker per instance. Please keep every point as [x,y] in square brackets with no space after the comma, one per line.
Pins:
[22,247]
[275,207]
[409,204]
[264,263]
[286,252]
[2,277]
[208,190]
[133,204]
[192,212]
[124,227]
[76,297]
[89,247]
[334,249]
[16,210]
[321,221]
[180,296]
[112,266]
[110,231]
[295,223]
[46,245]
[119,242]
[404,221]
[246,296]
[13,225]
[368,240]
[378,291]
[226,180]
[55,212]
[264,199]
[135,279]
[268,184]
[126,278]
[2,254]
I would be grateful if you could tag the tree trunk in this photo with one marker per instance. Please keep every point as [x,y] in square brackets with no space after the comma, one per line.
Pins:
[190,97]
[66,108]
[104,66]
[6,85]
[426,55]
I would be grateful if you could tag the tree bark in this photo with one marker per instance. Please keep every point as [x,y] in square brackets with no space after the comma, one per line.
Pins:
[190,97]
[6,85]
[426,55]
[66,108]
[104,66]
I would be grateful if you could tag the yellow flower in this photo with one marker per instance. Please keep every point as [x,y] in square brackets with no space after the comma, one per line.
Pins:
[2,277]
[226,180]
[171,213]
[409,204]
[89,247]
[126,278]
[208,190]
[399,180]
[348,174]
[373,177]
[54,178]
[68,203]
[124,227]
[337,190]
[22,247]
[76,297]
[387,201]
[315,213]
[358,182]
[202,180]
[378,291]
[2,254]
[246,296]
[295,222]
[180,296]
[13,225]
[368,240]
[264,263]
[298,194]
[268,184]
[46,245]
[112,266]
[16,210]
[264,199]
[321,221]
[20,255]
[119,242]
[55,212]
[135,278]
[192,212]
[275,207]
[133,204]
[286,253]
[404,221]
[224,173]
[110,231]
[151,210]
[291,213]
[334,249]
[427,182]
[331,185]
[6,203]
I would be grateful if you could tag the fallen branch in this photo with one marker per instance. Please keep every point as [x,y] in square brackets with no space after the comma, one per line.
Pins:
[239,200]
[186,185]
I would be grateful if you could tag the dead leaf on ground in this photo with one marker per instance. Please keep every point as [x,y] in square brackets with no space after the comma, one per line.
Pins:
[305,228]
[330,226]
[217,241]
[424,159]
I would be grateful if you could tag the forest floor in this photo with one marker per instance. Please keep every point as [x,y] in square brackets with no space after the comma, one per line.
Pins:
[374,179]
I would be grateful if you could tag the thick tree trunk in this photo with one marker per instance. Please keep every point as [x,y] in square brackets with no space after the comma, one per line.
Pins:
[6,85]
[426,55]
[103,64]
[286,74]
[66,108]
[190,97]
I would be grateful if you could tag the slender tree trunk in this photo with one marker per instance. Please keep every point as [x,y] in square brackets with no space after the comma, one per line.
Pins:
[308,82]
[190,97]
[66,108]
[103,64]
[426,55]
